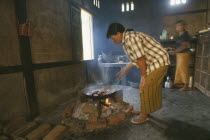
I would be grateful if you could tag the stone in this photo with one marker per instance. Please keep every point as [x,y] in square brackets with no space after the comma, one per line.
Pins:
[116,118]
[78,113]
[81,97]
[117,107]
[64,120]
[106,111]
[127,109]
[58,133]
[120,93]
[40,132]
[119,96]
[91,109]
[101,123]
[75,127]
[92,119]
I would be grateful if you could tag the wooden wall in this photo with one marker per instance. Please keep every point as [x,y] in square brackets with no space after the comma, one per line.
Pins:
[194,13]
[194,23]
[9,48]
[12,90]
[50,75]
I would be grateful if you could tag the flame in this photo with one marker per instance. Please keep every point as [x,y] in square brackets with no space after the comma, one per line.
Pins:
[107,102]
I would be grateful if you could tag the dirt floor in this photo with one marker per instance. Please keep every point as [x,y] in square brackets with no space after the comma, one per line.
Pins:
[184,116]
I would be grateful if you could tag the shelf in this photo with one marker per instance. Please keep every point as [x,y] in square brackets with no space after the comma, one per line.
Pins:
[204,72]
[202,60]
[187,12]
[198,86]
[165,42]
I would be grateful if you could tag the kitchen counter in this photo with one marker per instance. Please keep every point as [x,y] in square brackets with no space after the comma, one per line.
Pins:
[112,65]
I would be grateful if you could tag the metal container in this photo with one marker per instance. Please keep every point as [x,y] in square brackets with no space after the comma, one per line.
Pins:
[191,82]
[168,83]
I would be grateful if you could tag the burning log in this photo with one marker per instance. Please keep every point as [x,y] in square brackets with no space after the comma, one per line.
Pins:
[107,102]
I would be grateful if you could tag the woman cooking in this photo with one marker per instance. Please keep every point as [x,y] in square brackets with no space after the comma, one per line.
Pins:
[152,60]
[182,53]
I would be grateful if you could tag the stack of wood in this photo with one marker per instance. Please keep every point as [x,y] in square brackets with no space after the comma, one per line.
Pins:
[68,111]
[20,129]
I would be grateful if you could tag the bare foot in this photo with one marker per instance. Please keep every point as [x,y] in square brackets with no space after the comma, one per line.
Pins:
[179,85]
[185,89]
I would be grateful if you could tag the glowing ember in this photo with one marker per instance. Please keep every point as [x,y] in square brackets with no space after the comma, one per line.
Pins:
[107,102]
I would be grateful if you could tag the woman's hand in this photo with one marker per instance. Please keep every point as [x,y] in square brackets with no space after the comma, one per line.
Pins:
[143,83]
[123,72]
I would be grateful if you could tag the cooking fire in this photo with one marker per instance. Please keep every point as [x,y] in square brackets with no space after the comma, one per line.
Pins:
[107,102]
[100,107]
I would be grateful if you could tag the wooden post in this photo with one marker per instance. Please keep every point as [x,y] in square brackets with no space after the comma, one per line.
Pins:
[26,60]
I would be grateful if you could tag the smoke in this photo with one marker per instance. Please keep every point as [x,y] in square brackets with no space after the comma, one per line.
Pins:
[108,75]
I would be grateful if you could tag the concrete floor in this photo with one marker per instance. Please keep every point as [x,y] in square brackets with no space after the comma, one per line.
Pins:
[184,116]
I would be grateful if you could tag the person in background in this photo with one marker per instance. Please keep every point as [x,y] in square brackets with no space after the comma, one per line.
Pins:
[151,58]
[182,53]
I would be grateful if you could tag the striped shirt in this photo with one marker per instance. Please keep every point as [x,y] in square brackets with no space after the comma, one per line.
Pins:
[138,44]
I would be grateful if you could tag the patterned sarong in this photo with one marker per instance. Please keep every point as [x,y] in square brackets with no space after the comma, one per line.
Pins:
[151,96]
[182,68]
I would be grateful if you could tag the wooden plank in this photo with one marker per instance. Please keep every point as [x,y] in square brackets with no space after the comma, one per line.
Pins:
[188,12]
[25,129]
[68,111]
[10,69]
[19,138]
[26,60]
[57,133]
[40,132]
[14,124]
[55,64]
[76,33]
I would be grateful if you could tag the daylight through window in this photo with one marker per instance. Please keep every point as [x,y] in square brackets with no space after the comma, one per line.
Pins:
[132,6]
[177,2]
[128,6]
[87,35]
[123,7]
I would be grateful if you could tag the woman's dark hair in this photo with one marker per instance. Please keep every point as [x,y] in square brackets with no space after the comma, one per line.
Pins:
[181,22]
[129,29]
[114,28]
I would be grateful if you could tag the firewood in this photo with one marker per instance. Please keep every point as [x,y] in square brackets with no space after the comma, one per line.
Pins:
[68,111]
[57,133]
[40,132]
[25,129]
